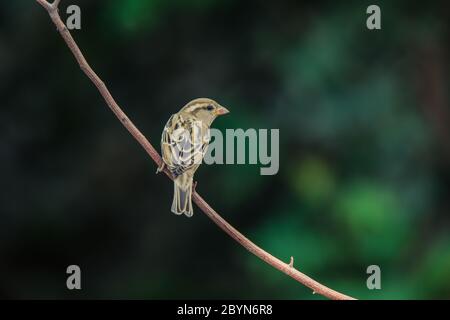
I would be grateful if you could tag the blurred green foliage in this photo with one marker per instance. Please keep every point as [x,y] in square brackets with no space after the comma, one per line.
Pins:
[133,15]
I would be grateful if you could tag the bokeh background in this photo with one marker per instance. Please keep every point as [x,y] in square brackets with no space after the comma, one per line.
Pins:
[364,149]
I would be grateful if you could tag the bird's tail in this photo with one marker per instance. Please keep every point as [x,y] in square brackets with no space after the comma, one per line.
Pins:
[182,197]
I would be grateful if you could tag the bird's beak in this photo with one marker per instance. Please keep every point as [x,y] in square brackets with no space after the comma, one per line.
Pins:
[221,111]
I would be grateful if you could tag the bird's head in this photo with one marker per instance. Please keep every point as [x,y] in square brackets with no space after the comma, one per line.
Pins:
[204,109]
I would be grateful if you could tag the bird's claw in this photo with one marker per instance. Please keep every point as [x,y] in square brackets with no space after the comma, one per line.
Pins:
[194,186]
[161,167]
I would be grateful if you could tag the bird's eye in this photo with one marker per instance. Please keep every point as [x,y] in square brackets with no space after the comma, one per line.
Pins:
[209,108]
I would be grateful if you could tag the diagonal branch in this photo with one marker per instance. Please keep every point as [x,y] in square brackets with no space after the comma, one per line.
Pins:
[52,9]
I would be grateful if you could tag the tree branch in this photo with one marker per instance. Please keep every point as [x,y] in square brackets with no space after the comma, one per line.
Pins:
[52,9]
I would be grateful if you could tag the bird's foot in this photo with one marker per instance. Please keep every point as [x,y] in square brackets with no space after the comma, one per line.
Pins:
[194,185]
[161,167]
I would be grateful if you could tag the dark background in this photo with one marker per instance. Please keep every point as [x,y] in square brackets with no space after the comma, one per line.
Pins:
[364,149]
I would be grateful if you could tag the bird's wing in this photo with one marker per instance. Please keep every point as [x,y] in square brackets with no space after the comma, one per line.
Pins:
[184,142]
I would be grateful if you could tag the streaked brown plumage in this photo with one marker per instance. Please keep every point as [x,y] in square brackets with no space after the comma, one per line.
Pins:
[184,142]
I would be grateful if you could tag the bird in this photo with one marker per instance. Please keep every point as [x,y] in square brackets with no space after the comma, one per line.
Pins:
[184,142]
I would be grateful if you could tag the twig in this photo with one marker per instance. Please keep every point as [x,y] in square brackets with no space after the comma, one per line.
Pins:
[52,9]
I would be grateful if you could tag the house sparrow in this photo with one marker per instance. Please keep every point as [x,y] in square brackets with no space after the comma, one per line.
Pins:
[184,142]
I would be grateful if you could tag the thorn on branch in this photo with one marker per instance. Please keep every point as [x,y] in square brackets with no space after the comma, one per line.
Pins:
[62,29]
[291,263]
[55,4]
